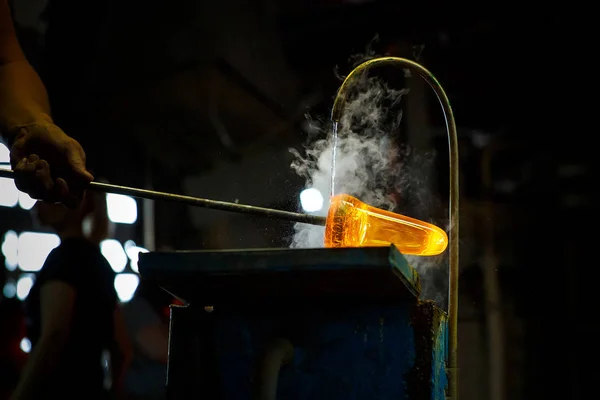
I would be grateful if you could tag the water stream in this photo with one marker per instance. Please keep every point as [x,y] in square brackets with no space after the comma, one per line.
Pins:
[334,132]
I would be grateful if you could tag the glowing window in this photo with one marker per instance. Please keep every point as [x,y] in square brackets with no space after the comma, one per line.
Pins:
[25,201]
[121,209]
[4,154]
[10,244]
[10,290]
[33,249]
[24,285]
[25,345]
[115,255]
[133,252]
[9,194]
[125,286]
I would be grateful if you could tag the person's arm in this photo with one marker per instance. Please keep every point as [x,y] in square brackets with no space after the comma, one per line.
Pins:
[23,96]
[10,50]
[153,341]
[122,353]
[149,333]
[57,300]
[48,164]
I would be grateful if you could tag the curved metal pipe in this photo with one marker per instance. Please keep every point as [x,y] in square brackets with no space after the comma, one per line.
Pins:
[336,115]
[278,353]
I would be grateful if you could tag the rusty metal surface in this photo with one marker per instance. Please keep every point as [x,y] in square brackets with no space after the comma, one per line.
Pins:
[428,376]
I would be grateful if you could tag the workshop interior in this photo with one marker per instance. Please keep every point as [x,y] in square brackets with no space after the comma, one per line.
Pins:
[338,199]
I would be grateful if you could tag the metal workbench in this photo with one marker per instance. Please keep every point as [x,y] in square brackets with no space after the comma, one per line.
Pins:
[352,317]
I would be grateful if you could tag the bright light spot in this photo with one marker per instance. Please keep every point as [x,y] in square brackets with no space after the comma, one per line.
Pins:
[9,290]
[87,225]
[9,250]
[9,194]
[121,209]
[4,154]
[133,252]
[25,345]
[28,250]
[33,249]
[25,201]
[115,255]
[128,244]
[125,285]
[311,200]
[24,285]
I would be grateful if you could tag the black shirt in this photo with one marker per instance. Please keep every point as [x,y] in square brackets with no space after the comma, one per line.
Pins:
[79,263]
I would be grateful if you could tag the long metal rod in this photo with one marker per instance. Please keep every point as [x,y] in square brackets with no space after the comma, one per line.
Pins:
[197,202]
[336,115]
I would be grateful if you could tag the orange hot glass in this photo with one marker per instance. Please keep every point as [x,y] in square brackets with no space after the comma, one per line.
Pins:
[352,223]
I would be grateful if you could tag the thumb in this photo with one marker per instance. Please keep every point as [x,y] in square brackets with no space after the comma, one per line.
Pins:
[76,160]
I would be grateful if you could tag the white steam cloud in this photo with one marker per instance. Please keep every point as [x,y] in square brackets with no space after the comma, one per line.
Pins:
[370,165]
[365,161]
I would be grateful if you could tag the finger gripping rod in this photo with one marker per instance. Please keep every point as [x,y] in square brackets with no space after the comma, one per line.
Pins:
[197,202]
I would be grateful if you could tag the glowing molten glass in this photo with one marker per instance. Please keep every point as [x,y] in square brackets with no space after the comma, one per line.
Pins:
[352,223]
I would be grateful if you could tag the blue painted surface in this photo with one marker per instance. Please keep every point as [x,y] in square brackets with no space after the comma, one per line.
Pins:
[362,353]
[194,275]
[274,260]
[439,377]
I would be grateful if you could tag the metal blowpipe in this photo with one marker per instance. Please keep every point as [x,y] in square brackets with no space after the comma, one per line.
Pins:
[197,202]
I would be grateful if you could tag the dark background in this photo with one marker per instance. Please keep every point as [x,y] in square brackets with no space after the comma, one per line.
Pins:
[205,98]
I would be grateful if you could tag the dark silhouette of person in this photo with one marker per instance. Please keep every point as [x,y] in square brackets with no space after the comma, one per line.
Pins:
[74,319]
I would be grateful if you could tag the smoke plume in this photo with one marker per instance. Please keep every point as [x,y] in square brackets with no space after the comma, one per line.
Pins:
[370,164]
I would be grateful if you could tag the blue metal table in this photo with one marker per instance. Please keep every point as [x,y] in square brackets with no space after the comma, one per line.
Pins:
[349,320]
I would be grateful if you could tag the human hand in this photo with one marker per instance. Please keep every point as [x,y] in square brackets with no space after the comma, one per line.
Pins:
[48,164]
